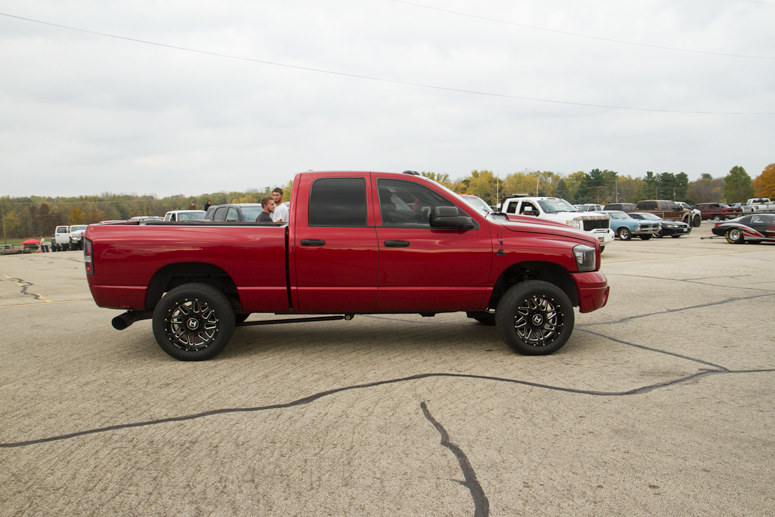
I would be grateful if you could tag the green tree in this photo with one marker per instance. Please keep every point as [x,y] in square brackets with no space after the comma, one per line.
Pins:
[738,186]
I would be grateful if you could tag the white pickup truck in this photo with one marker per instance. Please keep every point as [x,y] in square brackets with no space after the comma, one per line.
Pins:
[61,239]
[560,211]
[76,236]
[759,204]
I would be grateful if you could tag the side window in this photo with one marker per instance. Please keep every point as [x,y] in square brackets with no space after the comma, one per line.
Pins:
[663,206]
[512,208]
[232,215]
[406,204]
[338,202]
[528,209]
[220,215]
[674,206]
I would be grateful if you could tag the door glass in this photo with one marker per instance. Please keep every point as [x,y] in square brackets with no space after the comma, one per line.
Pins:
[404,204]
[338,202]
[220,215]
[232,215]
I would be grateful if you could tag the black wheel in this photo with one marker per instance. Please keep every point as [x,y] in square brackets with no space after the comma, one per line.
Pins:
[535,318]
[624,233]
[659,234]
[675,236]
[645,237]
[602,249]
[735,236]
[193,322]
[716,217]
[697,221]
[483,317]
[240,318]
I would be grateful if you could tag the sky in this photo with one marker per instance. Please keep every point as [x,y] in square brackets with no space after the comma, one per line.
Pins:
[195,96]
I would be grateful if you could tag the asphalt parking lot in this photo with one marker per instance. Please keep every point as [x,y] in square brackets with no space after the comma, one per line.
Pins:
[660,404]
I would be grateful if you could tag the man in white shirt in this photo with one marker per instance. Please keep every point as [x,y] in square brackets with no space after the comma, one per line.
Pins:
[281,213]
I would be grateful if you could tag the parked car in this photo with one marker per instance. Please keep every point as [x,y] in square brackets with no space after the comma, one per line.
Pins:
[742,206]
[665,209]
[477,202]
[717,211]
[245,212]
[696,217]
[560,211]
[625,226]
[9,249]
[348,249]
[760,204]
[589,207]
[624,207]
[138,218]
[184,215]
[61,239]
[672,228]
[76,236]
[751,228]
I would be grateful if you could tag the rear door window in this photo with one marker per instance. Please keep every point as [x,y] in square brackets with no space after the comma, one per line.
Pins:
[220,214]
[339,202]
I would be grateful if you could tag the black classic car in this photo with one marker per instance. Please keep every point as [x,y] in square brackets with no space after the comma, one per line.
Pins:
[751,228]
[672,228]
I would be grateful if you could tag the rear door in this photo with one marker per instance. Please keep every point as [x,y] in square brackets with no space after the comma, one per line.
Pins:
[334,245]
[426,269]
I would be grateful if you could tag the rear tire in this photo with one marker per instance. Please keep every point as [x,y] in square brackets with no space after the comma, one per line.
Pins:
[535,318]
[193,322]
[735,236]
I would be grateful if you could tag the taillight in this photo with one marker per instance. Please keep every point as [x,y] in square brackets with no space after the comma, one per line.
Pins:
[88,253]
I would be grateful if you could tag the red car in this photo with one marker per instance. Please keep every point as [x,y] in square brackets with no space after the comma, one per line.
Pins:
[357,243]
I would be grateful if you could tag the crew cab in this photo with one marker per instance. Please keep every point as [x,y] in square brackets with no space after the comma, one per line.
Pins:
[245,212]
[357,243]
[560,211]
[665,209]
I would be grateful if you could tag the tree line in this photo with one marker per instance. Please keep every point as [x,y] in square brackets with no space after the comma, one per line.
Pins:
[37,216]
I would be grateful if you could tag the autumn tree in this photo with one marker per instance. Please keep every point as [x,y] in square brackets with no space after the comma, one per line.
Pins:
[77,216]
[764,183]
[737,185]
[705,190]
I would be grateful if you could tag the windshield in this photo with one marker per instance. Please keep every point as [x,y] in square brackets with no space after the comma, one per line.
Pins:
[478,203]
[619,215]
[552,206]
[188,216]
[648,216]
[78,228]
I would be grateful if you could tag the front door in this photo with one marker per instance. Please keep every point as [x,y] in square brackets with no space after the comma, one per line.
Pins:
[426,269]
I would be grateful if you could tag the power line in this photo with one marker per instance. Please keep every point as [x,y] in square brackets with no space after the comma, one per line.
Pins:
[610,40]
[391,81]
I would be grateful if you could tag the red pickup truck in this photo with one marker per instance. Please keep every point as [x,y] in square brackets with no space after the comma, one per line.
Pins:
[356,243]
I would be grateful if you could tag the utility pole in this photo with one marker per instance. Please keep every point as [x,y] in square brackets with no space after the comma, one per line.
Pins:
[4,241]
[538,178]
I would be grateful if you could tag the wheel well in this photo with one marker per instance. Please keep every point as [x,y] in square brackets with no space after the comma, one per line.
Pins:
[174,275]
[546,271]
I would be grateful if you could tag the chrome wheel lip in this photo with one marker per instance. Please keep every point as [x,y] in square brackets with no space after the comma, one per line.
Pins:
[539,320]
[191,325]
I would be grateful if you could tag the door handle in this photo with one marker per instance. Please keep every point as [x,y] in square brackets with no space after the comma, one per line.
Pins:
[313,242]
[397,244]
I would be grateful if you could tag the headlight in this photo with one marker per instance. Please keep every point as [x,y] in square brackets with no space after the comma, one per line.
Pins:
[574,223]
[585,257]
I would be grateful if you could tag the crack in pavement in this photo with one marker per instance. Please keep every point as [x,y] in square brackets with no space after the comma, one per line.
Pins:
[26,285]
[481,504]
[670,311]
[312,398]
[695,281]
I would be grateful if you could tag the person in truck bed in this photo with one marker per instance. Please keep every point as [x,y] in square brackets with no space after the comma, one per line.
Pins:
[268,205]
[281,213]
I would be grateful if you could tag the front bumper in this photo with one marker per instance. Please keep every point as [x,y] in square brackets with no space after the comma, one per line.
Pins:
[604,236]
[645,231]
[593,290]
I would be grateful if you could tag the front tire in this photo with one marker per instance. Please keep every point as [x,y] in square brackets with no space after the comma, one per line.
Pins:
[193,322]
[697,221]
[645,237]
[624,233]
[660,234]
[535,318]
[735,236]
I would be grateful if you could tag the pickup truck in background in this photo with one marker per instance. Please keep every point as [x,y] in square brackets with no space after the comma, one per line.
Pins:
[61,239]
[760,204]
[76,236]
[596,224]
[184,215]
[717,211]
[666,210]
[357,243]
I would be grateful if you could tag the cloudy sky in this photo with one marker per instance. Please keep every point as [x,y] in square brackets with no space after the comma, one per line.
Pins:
[195,96]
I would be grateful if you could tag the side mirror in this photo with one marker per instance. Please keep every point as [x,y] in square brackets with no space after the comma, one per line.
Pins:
[449,217]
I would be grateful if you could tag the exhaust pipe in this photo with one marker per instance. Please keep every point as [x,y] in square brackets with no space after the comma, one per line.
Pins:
[122,321]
